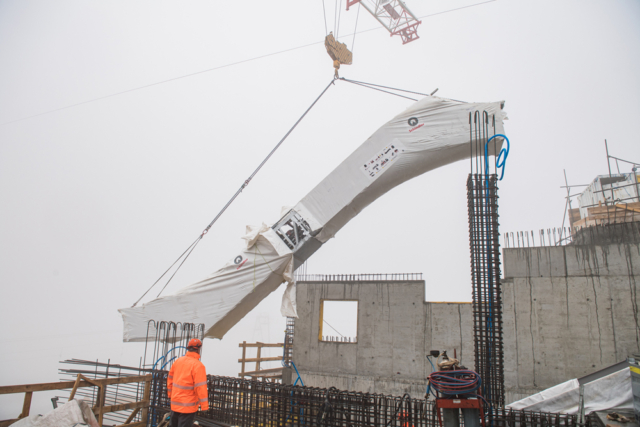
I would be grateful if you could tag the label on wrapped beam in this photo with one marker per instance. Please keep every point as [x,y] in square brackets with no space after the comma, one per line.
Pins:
[380,162]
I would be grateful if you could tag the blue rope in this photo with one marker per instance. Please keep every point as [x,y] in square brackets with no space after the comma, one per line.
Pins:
[301,413]
[174,348]
[500,161]
[433,369]
[293,404]
[298,373]
[169,361]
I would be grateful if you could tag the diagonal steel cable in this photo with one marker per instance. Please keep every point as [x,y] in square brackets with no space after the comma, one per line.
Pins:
[374,88]
[190,249]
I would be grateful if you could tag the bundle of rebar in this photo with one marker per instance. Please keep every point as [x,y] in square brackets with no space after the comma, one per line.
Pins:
[114,395]
[484,244]
[236,401]
[288,342]
[485,276]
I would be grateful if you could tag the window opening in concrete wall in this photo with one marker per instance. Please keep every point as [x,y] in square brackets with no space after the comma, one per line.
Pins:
[339,321]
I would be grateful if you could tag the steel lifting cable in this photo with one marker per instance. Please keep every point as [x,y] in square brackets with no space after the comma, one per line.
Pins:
[339,17]
[390,93]
[386,87]
[375,87]
[335,17]
[355,30]
[325,19]
[237,193]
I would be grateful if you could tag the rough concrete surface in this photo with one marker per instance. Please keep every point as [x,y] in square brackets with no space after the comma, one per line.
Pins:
[396,330]
[567,312]
[562,261]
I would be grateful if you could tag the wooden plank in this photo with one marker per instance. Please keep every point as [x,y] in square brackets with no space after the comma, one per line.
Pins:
[617,218]
[90,381]
[611,208]
[132,416]
[146,396]
[259,344]
[10,389]
[124,380]
[262,373]
[271,377]
[138,424]
[122,407]
[618,210]
[26,406]
[75,387]
[628,207]
[258,359]
[7,423]
[262,359]
[101,408]
[244,355]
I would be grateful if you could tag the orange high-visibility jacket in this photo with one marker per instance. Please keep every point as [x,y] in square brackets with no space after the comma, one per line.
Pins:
[187,384]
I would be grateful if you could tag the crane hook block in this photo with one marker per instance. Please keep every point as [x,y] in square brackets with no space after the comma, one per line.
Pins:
[337,51]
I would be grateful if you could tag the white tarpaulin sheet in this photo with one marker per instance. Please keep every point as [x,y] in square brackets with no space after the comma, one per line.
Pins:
[73,413]
[225,297]
[431,133]
[609,392]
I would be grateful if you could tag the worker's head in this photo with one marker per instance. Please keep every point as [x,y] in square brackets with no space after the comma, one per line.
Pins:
[194,345]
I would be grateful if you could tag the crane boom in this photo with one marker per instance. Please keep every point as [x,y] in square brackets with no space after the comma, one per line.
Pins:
[394,15]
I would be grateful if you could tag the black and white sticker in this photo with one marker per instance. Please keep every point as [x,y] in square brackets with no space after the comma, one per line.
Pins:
[381,161]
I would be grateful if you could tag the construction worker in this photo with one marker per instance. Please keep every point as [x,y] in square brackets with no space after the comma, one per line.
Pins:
[187,386]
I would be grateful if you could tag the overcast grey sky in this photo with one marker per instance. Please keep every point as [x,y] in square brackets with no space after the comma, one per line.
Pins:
[99,199]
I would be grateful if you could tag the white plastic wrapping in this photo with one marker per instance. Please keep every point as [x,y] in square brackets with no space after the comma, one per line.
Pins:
[609,392]
[431,133]
[72,413]
[225,297]
[288,307]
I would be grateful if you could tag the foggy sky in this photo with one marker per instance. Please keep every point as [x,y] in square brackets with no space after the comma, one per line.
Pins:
[100,198]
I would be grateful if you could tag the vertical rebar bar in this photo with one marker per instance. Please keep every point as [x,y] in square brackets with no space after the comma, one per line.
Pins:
[484,244]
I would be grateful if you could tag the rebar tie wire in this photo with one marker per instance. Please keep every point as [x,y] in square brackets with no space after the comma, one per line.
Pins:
[191,247]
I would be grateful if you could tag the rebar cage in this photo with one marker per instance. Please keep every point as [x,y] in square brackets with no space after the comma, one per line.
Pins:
[484,245]
[235,401]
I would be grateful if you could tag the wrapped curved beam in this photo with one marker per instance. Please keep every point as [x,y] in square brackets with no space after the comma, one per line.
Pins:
[431,133]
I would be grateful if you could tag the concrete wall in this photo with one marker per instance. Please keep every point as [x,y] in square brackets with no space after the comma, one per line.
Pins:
[449,326]
[396,329]
[568,311]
